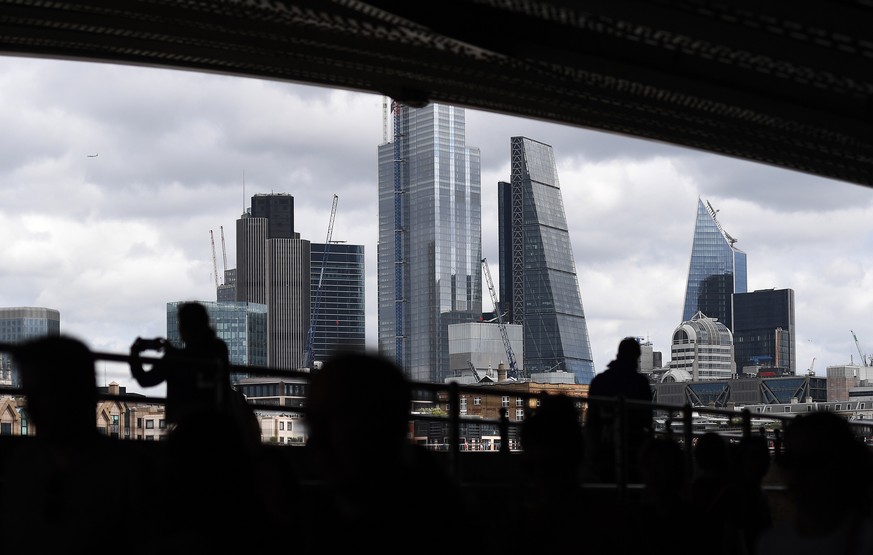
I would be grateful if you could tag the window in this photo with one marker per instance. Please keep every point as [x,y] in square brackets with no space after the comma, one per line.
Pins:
[519,414]
[150,424]
[139,422]
[787,408]
[5,428]
[519,402]
[162,424]
[282,425]
[504,401]
[478,401]
[463,405]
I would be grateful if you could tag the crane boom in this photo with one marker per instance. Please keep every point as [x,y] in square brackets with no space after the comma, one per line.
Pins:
[316,303]
[513,369]
[860,352]
[223,251]
[214,264]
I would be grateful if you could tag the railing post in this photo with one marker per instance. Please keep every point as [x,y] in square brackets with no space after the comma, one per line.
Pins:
[747,424]
[688,435]
[504,430]
[454,427]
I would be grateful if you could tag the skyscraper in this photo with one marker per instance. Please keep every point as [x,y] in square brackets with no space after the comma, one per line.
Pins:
[19,324]
[273,268]
[339,322]
[538,284]
[242,325]
[430,238]
[764,330]
[717,269]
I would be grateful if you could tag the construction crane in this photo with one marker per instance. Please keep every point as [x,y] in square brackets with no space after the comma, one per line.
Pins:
[864,360]
[214,264]
[316,302]
[811,371]
[223,253]
[513,369]
[474,371]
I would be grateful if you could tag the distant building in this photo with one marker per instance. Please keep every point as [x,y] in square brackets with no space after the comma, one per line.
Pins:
[340,321]
[243,326]
[538,285]
[430,238]
[702,348]
[763,331]
[19,324]
[717,269]
[273,268]
[480,344]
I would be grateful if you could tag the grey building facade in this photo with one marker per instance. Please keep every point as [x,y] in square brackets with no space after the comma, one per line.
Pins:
[430,239]
[273,268]
[539,288]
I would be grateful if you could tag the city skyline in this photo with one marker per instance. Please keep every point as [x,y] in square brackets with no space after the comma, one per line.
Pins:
[109,240]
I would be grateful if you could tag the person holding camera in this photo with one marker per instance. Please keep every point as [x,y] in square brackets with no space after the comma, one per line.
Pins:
[197,375]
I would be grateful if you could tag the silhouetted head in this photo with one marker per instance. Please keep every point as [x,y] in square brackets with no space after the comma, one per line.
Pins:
[628,349]
[552,437]
[711,452]
[193,321]
[59,381]
[357,411]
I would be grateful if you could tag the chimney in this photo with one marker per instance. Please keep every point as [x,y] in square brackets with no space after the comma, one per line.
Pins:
[501,372]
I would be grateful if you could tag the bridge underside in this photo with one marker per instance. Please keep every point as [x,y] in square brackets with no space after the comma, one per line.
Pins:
[763,81]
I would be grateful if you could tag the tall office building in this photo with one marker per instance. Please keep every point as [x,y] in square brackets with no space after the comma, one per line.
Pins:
[273,268]
[243,326]
[430,238]
[538,284]
[764,330]
[717,269]
[19,324]
[339,316]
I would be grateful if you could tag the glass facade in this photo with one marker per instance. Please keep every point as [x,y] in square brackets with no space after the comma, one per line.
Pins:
[19,324]
[716,272]
[243,326]
[430,239]
[538,284]
[339,323]
[764,329]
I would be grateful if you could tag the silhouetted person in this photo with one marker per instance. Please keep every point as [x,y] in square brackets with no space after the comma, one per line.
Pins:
[827,473]
[379,485]
[552,456]
[621,379]
[715,493]
[665,496]
[68,487]
[197,375]
[751,465]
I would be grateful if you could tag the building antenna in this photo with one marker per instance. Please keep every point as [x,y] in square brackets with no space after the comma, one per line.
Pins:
[244,192]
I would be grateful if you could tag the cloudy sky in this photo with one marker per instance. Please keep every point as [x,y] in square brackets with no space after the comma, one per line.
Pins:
[112,177]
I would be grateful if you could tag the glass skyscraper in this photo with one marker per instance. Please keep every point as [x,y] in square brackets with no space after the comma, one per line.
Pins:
[764,330]
[538,284]
[243,326]
[339,324]
[19,324]
[430,238]
[716,272]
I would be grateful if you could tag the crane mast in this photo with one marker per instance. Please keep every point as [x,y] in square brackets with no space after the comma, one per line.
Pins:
[214,264]
[316,303]
[223,252]
[513,369]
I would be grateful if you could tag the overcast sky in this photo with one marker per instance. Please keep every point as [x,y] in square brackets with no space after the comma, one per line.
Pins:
[113,176]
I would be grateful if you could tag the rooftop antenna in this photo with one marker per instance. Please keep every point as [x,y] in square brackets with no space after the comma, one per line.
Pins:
[244,192]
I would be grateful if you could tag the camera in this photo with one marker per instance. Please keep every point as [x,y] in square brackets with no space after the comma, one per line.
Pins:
[156,344]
